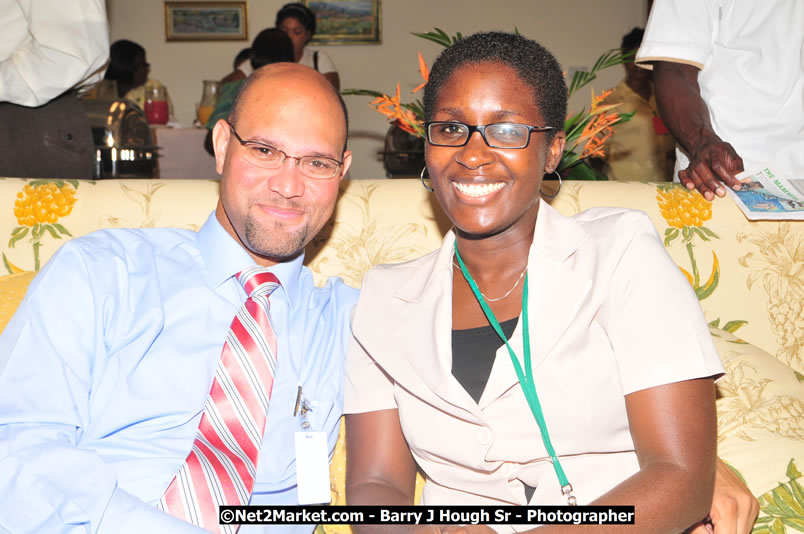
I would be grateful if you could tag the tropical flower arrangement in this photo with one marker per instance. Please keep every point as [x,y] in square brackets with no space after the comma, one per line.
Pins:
[587,131]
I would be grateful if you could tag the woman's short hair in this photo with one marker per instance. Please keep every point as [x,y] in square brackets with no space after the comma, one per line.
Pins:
[534,64]
[123,61]
[297,11]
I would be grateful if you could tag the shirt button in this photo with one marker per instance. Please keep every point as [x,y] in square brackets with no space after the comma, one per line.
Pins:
[507,469]
[483,436]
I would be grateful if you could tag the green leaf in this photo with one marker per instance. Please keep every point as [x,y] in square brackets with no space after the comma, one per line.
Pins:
[786,500]
[37,231]
[17,234]
[685,232]
[608,59]
[792,471]
[62,229]
[568,159]
[438,36]
[698,231]
[777,527]
[709,232]
[7,264]
[794,522]
[51,231]
[705,291]
[19,230]
[732,326]
[571,121]
[34,183]
[73,183]
[362,92]
[715,323]
[797,490]
[582,171]
[670,236]
[780,496]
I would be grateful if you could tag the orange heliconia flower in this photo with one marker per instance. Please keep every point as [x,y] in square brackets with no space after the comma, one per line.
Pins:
[598,130]
[392,108]
[424,71]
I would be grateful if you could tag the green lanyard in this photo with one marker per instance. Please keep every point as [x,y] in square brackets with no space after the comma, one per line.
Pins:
[526,378]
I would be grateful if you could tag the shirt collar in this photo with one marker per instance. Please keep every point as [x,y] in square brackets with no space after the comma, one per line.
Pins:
[224,257]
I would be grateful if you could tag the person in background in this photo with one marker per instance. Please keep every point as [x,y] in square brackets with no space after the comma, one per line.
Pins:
[298,21]
[640,149]
[129,68]
[241,67]
[122,369]
[270,46]
[729,79]
[49,54]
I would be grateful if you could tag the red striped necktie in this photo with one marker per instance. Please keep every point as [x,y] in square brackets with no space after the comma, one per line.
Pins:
[222,464]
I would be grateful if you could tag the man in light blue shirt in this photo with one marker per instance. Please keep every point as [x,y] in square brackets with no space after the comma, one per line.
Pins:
[110,358]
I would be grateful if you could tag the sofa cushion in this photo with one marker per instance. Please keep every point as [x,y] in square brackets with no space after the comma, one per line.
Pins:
[760,412]
[12,290]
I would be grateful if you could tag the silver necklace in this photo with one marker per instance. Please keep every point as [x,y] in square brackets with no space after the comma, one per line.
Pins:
[521,275]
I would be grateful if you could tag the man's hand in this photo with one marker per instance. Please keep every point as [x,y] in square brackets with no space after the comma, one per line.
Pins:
[711,164]
[734,509]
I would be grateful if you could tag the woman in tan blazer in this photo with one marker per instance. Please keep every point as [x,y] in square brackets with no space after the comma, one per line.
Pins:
[617,368]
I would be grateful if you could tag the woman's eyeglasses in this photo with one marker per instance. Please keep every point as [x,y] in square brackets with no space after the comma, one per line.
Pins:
[497,135]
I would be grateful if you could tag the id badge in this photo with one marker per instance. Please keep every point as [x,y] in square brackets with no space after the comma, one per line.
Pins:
[312,468]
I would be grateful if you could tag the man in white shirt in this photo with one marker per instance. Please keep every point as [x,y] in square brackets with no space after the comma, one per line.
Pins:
[46,53]
[729,79]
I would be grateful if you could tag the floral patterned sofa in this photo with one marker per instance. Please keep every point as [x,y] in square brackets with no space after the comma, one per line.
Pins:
[749,277]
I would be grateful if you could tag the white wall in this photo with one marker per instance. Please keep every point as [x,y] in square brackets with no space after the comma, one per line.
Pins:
[576,31]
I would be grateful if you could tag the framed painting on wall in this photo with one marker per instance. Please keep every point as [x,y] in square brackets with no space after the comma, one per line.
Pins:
[206,21]
[346,21]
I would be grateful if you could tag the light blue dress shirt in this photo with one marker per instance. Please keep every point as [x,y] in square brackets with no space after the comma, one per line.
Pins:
[109,361]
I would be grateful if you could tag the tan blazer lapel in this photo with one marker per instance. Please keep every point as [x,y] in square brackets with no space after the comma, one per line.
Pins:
[424,325]
[555,293]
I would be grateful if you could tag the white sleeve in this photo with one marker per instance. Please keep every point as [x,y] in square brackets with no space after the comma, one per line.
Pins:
[66,44]
[367,388]
[655,323]
[325,63]
[680,31]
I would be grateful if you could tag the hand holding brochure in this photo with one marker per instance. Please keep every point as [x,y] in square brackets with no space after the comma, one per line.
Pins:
[767,196]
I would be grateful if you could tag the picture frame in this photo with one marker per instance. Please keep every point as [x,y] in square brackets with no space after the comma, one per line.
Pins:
[346,21]
[206,21]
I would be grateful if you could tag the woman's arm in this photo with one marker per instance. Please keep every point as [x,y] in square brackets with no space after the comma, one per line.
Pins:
[674,432]
[380,468]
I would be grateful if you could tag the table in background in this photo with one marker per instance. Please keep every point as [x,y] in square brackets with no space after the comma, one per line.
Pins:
[182,154]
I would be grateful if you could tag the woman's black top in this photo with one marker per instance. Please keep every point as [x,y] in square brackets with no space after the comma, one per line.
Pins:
[473,353]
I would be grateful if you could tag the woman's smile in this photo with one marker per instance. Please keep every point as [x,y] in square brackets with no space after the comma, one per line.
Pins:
[478,191]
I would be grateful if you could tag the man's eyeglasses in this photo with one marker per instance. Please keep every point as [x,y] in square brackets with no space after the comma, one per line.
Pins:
[497,135]
[269,157]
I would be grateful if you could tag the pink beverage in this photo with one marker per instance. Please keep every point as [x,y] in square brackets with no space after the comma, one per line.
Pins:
[156,112]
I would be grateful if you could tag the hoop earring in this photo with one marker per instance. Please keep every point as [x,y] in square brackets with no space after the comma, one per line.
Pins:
[424,184]
[560,183]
